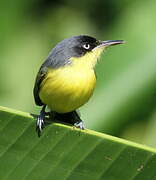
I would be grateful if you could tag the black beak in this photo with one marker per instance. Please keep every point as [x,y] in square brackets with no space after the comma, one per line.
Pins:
[111,42]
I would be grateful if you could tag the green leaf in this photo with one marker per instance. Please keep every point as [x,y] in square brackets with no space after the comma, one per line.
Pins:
[64,152]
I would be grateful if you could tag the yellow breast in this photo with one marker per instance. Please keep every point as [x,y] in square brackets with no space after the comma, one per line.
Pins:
[66,89]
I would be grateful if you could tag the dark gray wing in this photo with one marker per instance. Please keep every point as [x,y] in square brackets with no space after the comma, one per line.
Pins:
[40,76]
[58,57]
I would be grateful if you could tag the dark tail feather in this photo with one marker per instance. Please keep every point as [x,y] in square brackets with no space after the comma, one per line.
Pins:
[71,117]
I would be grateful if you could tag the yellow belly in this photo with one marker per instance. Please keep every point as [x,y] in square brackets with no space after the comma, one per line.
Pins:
[66,89]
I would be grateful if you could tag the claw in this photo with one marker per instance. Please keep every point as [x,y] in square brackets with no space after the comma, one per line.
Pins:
[40,121]
[79,124]
[39,125]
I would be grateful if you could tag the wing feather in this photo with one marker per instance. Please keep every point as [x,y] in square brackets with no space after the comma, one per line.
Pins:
[40,76]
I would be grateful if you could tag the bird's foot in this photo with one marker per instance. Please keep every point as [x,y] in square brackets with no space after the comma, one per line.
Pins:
[40,121]
[79,124]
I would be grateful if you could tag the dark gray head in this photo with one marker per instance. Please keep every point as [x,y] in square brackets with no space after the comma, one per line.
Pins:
[76,46]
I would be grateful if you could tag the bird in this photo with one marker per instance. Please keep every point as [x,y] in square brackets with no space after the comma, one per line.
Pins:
[66,79]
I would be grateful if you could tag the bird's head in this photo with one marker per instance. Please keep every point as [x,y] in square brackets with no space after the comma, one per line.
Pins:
[82,50]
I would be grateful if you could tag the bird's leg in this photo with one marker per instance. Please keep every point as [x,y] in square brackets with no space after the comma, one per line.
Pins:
[79,123]
[40,121]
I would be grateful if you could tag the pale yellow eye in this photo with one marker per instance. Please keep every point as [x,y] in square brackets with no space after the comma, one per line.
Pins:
[86,46]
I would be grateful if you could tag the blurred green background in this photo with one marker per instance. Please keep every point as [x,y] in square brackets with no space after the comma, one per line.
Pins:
[124,102]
